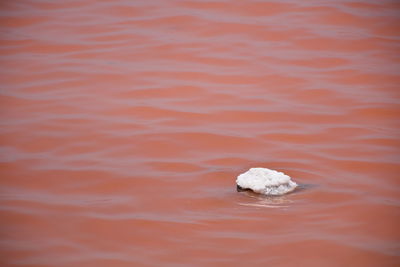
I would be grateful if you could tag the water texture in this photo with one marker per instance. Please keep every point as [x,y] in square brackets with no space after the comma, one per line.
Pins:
[125,123]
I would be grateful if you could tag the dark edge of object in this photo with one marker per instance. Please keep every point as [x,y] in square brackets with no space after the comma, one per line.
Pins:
[240,189]
[300,188]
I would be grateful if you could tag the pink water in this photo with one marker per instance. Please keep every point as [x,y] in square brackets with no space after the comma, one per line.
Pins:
[125,123]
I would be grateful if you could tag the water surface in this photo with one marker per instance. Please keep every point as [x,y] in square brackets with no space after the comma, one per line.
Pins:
[125,123]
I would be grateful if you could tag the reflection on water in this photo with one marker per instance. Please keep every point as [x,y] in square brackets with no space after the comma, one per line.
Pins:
[263,201]
[257,200]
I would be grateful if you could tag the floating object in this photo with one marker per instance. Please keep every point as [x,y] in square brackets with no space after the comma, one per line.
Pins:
[265,181]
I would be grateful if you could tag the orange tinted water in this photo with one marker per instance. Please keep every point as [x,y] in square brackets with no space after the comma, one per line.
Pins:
[125,123]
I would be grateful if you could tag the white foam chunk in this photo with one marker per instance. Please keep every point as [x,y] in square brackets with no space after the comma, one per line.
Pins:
[266,181]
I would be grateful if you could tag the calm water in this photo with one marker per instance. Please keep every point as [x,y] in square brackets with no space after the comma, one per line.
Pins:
[125,123]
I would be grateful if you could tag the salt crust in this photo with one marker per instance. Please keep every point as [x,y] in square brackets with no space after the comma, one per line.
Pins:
[266,181]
